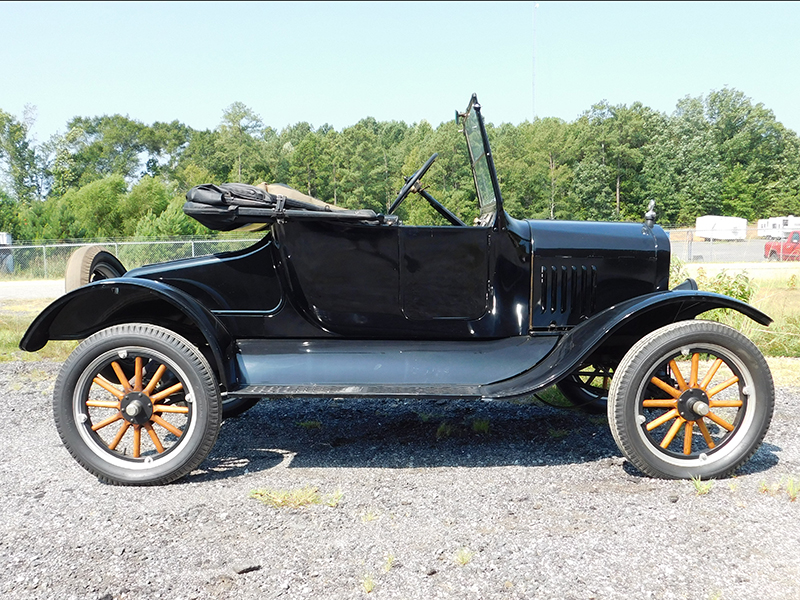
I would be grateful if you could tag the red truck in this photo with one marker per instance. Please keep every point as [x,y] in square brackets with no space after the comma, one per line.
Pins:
[786,250]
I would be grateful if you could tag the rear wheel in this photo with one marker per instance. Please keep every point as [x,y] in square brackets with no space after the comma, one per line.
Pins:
[137,404]
[693,399]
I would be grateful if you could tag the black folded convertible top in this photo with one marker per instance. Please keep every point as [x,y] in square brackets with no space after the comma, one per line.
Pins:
[229,206]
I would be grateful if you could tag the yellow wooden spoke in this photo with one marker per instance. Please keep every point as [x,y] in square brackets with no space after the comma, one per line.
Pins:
[658,403]
[137,441]
[106,422]
[121,376]
[167,425]
[170,408]
[706,435]
[118,438]
[725,403]
[156,378]
[676,373]
[722,386]
[687,437]
[137,374]
[673,431]
[167,392]
[710,375]
[154,437]
[666,387]
[720,421]
[108,387]
[662,419]
[102,404]
[693,374]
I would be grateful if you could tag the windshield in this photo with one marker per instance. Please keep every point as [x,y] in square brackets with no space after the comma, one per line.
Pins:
[480,157]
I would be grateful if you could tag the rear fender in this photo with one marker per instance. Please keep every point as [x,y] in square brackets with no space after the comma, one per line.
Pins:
[109,302]
[612,332]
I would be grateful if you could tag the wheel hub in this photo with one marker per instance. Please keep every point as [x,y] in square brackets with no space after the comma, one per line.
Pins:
[136,408]
[693,404]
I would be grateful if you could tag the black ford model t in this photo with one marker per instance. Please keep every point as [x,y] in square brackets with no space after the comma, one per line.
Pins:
[352,303]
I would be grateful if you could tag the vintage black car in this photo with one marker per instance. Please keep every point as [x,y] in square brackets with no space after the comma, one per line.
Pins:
[350,303]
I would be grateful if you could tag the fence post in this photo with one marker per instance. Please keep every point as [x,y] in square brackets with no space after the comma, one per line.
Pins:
[192,248]
[44,259]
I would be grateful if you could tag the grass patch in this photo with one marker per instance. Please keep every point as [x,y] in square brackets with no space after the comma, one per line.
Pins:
[368,583]
[701,487]
[310,425]
[296,498]
[444,431]
[791,487]
[480,426]
[463,556]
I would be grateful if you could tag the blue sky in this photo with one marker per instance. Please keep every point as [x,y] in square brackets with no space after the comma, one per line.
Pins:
[339,62]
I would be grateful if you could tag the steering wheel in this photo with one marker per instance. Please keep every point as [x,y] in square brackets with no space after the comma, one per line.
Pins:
[411,183]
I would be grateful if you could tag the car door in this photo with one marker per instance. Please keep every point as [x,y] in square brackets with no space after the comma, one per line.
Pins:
[444,272]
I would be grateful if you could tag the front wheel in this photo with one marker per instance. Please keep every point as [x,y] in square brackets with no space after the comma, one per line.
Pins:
[692,399]
[136,405]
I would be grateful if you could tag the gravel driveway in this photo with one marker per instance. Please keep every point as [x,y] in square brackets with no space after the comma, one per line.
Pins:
[541,506]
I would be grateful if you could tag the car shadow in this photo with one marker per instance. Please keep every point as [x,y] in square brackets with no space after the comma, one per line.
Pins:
[402,434]
[381,433]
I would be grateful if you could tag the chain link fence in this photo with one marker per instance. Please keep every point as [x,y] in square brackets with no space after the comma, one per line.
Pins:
[49,260]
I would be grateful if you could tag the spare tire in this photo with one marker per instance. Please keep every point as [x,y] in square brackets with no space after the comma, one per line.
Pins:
[88,264]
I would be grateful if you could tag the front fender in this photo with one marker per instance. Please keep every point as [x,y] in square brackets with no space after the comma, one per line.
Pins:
[621,325]
[88,309]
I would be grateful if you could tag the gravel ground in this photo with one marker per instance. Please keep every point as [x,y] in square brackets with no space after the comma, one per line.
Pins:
[541,506]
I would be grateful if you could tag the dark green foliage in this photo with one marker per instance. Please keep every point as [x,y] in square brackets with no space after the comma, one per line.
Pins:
[111,175]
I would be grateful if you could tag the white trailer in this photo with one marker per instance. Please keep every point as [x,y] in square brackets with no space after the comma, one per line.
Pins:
[713,227]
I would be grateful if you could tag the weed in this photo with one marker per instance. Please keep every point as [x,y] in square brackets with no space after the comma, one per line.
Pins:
[333,498]
[557,433]
[389,562]
[444,431]
[310,424]
[772,490]
[701,487]
[792,488]
[464,556]
[792,285]
[297,498]
[367,583]
[370,515]
[480,426]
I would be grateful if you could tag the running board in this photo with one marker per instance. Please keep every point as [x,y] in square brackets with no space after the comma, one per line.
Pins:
[383,368]
[354,391]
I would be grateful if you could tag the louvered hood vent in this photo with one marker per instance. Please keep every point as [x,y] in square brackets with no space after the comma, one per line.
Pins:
[566,290]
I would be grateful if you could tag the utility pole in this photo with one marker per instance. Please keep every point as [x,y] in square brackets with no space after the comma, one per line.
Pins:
[533,78]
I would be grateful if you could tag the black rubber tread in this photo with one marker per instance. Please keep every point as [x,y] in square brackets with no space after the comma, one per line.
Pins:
[233,406]
[622,400]
[84,263]
[178,349]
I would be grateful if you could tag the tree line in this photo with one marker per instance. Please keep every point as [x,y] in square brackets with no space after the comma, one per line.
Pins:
[113,176]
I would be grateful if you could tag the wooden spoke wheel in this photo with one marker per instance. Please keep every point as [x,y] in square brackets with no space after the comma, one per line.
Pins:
[693,399]
[587,388]
[137,404]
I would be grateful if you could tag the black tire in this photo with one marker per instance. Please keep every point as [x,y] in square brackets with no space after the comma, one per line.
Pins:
[233,406]
[586,389]
[88,264]
[168,414]
[654,403]
[773,256]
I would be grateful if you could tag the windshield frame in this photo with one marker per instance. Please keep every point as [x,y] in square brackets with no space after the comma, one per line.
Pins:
[481,161]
